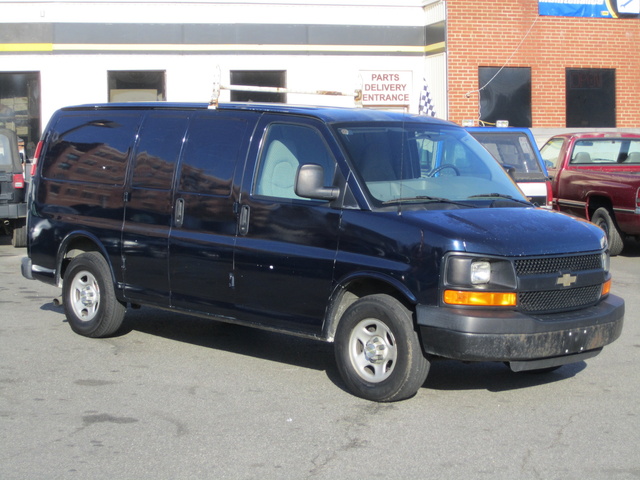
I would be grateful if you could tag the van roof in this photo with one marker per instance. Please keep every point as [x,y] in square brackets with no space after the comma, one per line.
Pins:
[327,114]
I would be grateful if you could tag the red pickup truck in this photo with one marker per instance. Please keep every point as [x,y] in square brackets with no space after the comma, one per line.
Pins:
[597,176]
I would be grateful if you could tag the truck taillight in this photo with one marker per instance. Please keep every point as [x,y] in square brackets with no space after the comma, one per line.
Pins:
[18,180]
[36,155]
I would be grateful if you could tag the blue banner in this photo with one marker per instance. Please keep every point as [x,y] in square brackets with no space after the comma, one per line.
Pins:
[590,8]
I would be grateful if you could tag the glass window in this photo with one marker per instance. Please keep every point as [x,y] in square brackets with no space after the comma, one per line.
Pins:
[285,148]
[97,144]
[505,94]
[550,152]
[20,107]
[618,151]
[161,139]
[510,148]
[6,150]
[210,154]
[591,97]
[259,78]
[423,163]
[136,86]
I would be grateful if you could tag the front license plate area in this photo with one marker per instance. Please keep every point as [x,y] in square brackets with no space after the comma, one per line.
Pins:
[575,341]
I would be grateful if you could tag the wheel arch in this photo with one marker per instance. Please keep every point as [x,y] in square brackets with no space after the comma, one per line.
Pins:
[77,243]
[596,201]
[359,285]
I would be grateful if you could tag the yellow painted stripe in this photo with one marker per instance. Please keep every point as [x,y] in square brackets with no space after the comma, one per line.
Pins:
[152,47]
[26,47]
[237,47]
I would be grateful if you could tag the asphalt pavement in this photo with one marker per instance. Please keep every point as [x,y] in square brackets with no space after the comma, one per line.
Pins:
[177,397]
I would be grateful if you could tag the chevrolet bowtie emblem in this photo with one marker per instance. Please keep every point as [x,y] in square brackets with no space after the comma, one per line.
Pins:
[566,280]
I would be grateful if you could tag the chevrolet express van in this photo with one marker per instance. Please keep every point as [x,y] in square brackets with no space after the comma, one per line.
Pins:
[395,236]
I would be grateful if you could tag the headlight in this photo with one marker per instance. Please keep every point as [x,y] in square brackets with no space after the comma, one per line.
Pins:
[606,261]
[480,272]
[478,281]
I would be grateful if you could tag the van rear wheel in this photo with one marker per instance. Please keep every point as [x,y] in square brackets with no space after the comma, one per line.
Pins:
[90,304]
[378,352]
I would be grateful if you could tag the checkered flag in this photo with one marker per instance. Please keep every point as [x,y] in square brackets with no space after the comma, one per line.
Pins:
[426,107]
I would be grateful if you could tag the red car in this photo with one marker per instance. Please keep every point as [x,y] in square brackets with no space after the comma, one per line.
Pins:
[596,176]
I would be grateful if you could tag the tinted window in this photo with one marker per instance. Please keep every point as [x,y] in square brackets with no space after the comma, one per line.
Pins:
[161,139]
[91,147]
[210,154]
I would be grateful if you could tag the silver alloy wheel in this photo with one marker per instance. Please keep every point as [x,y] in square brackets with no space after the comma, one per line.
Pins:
[372,350]
[85,296]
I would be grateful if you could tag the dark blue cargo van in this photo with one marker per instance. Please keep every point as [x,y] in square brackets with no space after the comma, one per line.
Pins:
[398,237]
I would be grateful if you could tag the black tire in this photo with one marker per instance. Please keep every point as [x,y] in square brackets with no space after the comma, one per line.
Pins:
[19,234]
[89,300]
[378,352]
[604,219]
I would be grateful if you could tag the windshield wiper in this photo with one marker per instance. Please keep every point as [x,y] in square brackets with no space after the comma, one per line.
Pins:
[422,198]
[500,195]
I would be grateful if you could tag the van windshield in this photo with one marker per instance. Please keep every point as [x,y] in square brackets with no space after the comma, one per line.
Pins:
[424,162]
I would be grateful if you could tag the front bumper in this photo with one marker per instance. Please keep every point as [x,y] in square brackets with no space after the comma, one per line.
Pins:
[526,341]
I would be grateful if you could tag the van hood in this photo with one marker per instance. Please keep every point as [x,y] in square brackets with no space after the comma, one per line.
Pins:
[509,231]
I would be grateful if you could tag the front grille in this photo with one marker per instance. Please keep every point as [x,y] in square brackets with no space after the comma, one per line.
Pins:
[557,300]
[536,266]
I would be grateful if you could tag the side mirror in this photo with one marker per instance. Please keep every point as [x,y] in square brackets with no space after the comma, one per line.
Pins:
[309,183]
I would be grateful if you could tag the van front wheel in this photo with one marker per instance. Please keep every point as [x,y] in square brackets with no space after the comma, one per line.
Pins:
[378,352]
[90,304]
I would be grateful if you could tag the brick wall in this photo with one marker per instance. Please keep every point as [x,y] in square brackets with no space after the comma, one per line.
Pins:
[488,32]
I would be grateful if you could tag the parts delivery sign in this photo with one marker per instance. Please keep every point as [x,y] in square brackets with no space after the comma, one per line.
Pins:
[386,88]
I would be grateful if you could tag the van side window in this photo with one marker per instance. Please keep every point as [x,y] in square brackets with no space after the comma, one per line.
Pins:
[161,139]
[285,148]
[210,154]
[91,149]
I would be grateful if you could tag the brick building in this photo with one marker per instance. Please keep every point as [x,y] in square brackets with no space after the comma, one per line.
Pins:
[580,71]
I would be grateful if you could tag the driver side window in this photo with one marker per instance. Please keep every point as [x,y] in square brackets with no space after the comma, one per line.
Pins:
[285,148]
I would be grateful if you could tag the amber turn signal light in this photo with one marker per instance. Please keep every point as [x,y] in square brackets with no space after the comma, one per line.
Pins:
[480,299]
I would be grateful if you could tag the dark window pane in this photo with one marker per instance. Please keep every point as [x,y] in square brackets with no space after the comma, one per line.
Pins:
[161,138]
[20,107]
[268,78]
[210,155]
[591,97]
[99,147]
[144,85]
[505,95]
